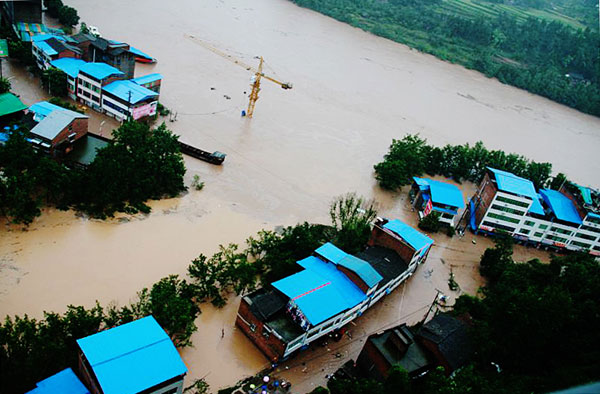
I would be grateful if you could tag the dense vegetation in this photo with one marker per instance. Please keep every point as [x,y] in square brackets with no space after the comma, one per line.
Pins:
[533,327]
[140,164]
[66,15]
[31,350]
[519,48]
[412,156]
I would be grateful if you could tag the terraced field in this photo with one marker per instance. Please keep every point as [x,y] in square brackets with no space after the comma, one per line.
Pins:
[476,8]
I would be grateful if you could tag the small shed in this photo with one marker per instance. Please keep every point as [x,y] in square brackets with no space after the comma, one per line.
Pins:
[64,382]
[11,109]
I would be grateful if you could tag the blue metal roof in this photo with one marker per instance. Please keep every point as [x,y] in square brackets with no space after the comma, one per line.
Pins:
[64,382]
[139,53]
[413,237]
[363,269]
[511,183]
[444,210]
[69,65]
[44,108]
[121,89]
[132,357]
[594,215]
[561,205]
[100,70]
[321,291]
[47,49]
[147,79]
[446,194]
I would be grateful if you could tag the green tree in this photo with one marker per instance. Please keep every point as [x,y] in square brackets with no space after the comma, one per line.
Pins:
[65,104]
[351,217]
[405,159]
[55,82]
[5,85]
[54,7]
[431,223]
[68,16]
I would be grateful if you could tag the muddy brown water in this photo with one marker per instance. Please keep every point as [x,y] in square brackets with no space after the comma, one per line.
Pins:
[352,94]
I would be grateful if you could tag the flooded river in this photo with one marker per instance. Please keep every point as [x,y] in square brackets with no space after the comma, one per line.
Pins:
[353,92]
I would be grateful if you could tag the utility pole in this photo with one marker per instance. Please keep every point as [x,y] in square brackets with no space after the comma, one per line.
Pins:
[129,111]
[431,306]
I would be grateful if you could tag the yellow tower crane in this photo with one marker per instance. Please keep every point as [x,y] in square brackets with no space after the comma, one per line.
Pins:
[258,73]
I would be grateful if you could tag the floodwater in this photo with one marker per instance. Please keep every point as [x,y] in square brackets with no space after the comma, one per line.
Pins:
[353,92]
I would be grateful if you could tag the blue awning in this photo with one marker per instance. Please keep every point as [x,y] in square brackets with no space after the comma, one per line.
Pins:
[413,237]
[561,205]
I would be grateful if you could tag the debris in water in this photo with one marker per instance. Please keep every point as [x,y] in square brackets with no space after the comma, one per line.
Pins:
[227,97]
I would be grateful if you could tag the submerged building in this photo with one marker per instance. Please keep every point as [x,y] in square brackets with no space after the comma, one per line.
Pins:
[332,289]
[565,219]
[428,195]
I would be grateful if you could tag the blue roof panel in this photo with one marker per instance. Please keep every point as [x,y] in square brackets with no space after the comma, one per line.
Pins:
[68,65]
[330,252]
[442,192]
[44,108]
[132,357]
[46,48]
[511,183]
[122,90]
[300,283]
[63,382]
[363,269]
[563,208]
[147,78]
[100,70]
[414,238]
[139,53]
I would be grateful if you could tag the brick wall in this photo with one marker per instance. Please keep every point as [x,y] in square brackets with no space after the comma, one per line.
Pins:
[487,191]
[372,363]
[69,53]
[354,278]
[437,355]
[78,126]
[379,237]
[272,347]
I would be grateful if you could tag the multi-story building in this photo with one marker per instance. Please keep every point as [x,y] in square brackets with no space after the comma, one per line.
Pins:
[115,53]
[123,99]
[332,289]
[21,11]
[556,219]
[48,47]
[150,81]
[91,80]
[57,127]
[428,195]
[71,67]
[136,357]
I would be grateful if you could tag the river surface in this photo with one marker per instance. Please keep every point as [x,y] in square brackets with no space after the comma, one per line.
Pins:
[353,92]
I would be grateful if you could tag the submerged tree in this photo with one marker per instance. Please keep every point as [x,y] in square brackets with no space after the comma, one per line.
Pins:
[351,217]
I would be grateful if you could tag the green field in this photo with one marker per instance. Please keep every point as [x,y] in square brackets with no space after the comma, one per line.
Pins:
[478,8]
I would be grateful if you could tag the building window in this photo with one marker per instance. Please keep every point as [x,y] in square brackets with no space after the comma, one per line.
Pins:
[561,231]
[585,236]
[253,327]
[580,244]
[555,238]
[499,226]
[589,228]
[509,210]
[593,220]
[511,201]
[543,226]
[529,223]
[596,247]
[502,217]
[538,235]
[524,231]
[172,391]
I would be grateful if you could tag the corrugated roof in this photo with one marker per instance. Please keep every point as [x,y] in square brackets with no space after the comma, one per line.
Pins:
[147,78]
[362,268]
[44,108]
[46,48]
[9,104]
[442,192]
[121,89]
[561,205]
[413,237]
[511,183]
[68,65]
[63,382]
[100,70]
[139,53]
[53,124]
[321,291]
[132,357]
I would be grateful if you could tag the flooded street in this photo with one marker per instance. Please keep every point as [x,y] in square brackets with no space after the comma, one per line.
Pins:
[353,92]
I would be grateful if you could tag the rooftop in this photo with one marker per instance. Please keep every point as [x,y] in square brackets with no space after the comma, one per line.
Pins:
[132,357]
[511,183]
[129,91]
[63,382]
[385,261]
[361,268]
[147,79]
[561,205]
[9,104]
[413,237]
[86,148]
[44,108]
[139,53]
[68,65]
[320,291]
[100,70]
[442,192]
[451,337]
[412,360]
[54,123]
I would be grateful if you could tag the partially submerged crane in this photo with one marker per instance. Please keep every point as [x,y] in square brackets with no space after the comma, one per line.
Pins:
[258,73]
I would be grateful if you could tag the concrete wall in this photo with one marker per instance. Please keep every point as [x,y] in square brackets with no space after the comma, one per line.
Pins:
[354,278]
[379,237]
[253,327]
[487,191]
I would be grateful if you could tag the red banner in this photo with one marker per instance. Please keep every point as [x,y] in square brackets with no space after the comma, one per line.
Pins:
[428,208]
